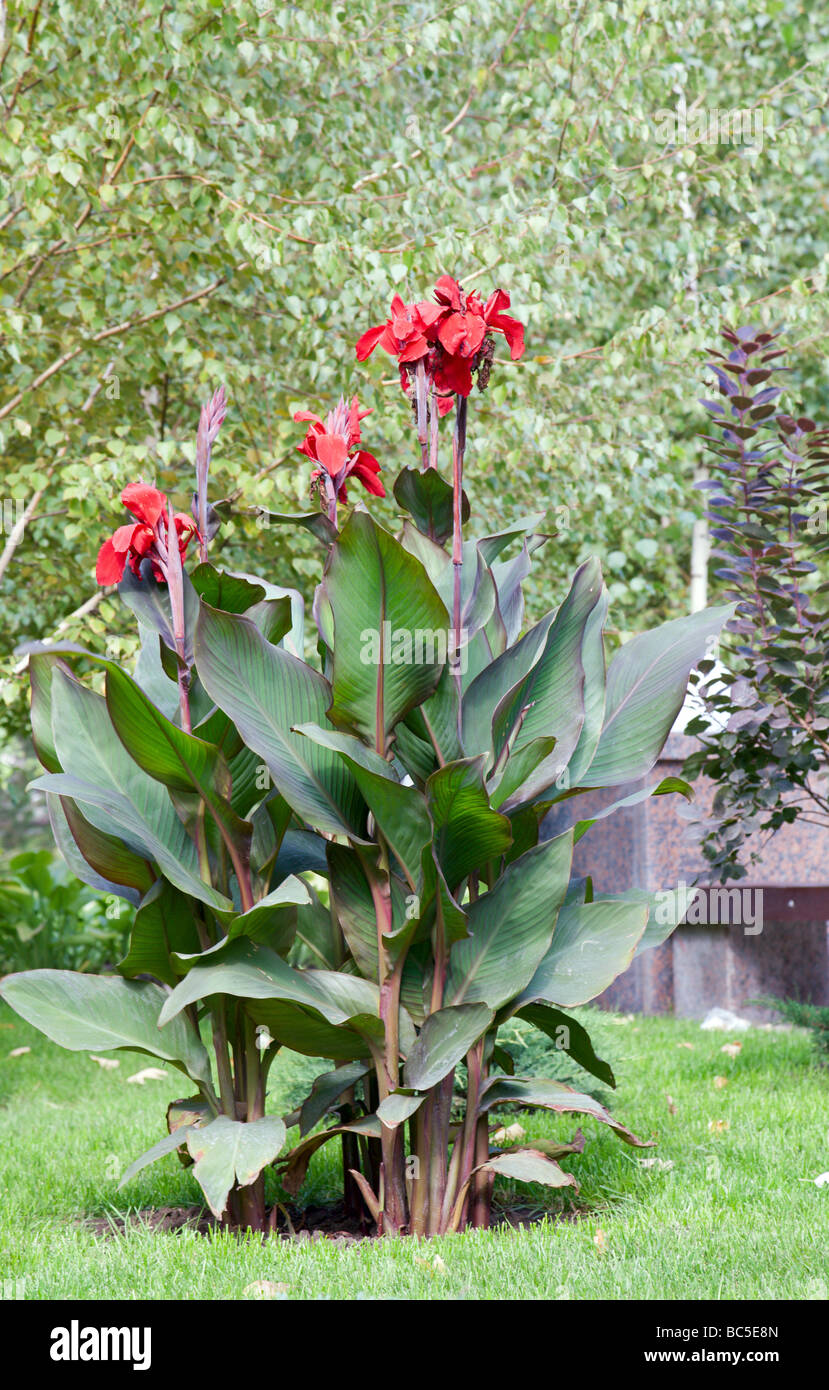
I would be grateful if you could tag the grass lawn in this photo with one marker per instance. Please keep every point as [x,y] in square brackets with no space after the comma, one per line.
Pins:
[729,1210]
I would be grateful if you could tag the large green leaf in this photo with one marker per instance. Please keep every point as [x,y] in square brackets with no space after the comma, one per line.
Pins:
[326,1090]
[228,1151]
[114,793]
[101,860]
[273,919]
[569,1036]
[592,944]
[530,1091]
[249,971]
[99,1013]
[468,833]
[443,1041]
[164,924]
[667,787]
[355,911]
[549,701]
[401,814]
[646,684]
[511,927]
[181,761]
[494,683]
[267,692]
[391,631]
[593,661]
[41,669]
[429,499]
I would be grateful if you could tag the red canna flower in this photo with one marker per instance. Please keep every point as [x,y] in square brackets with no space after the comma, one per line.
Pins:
[452,339]
[145,537]
[334,446]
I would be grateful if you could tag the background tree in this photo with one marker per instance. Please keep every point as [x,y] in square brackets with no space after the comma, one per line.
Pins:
[178,181]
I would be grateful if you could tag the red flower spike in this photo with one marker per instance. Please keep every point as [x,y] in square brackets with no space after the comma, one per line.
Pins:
[146,537]
[334,446]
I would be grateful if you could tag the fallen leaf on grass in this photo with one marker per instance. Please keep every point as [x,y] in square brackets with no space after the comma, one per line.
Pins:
[822,1180]
[672,1107]
[19,1051]
[509,1134]
[690,1046]
[148,1074]
[600,1241]
[664,1165]
[732,1049]
[717,1126]
[108,1063]
[265,1288]
[435,1266]
[622,1018]
[720,1082]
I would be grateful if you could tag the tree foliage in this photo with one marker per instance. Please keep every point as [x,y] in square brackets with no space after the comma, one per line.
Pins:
[197,184]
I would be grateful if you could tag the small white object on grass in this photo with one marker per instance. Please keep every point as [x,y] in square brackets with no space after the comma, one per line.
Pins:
[725,1021]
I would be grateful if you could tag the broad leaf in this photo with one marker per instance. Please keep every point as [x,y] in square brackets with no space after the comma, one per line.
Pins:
[114,793]
[468,833]
[326,1091]
[530,1091]
[97,1013]
[646,684]
[443,1041]
[267,692]
[592,944]
[511,927]
[391,632]
[570,1037]
[429,499]
[163,925]
[226,1152]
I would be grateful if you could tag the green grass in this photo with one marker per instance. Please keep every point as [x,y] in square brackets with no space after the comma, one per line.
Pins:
[737,1215]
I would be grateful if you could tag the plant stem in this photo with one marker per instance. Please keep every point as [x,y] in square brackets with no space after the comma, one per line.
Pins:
[458,449]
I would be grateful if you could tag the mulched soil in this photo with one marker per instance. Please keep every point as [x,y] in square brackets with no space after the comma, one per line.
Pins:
[311,1223]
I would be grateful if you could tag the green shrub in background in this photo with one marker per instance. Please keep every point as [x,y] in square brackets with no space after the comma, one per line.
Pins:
[49,918]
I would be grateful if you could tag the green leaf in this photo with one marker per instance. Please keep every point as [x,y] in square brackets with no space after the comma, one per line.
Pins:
[391,631]
[227,1152]
[398,1107]
[223,589]
[41,669]
[401,815]
[114,793]
[86,1013]
[549,701]
[666,787]
[468,833]
[273,919]
[112,862]
[267,692]
[167,1145]
[530,1091]
[529,1165]
[326,1091]
[592,944]
[181,761]
[570,1037]
[593,662]
[511,927]
[429,500]
[514,786]
[646,685]
[443,1041]
[315,522]
[164,924]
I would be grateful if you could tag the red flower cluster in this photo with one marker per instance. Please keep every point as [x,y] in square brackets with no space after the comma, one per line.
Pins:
[142,538]
[452,337]
[333,446]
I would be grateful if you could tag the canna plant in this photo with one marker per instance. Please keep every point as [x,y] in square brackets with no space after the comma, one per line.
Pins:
[347,856]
